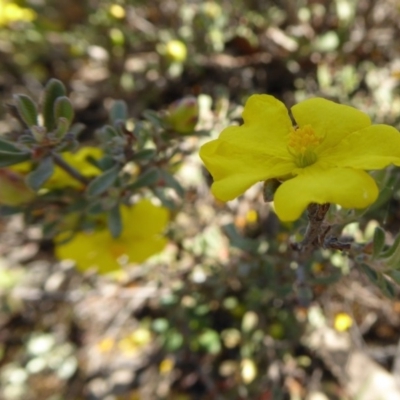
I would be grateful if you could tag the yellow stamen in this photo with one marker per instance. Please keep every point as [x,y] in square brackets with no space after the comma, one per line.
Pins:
[302,143]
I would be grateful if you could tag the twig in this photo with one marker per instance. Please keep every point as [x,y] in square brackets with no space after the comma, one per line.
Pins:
[68,168]
[316,236]
[315,232]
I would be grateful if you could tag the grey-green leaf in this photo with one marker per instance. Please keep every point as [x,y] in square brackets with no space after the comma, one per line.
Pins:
[53,90]
[145,154]
[63,109]
[119,111]
[392,255]
[148,178]
[114,221]
[7,146]
[8,158]
[102,182]
[62,128]
[378,241]
[26,109]
[41,174]
[170,181]
[106,133]
[371,274]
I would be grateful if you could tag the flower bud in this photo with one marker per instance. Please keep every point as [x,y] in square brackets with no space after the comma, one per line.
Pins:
[182,115]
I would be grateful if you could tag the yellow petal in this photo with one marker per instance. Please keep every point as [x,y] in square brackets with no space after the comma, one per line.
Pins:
[329,120]
[347,187]
[374,147]
[144,219]
[255,151]
[235,169]
[265,129]
[139,250]
[89,250]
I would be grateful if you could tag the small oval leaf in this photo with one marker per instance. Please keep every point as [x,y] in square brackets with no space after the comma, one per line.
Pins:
[171,181]
[26,109]
[10,158]
[53,90]
[63,109]
[378,242]
[119,111]
[102,182]
[148,178]
[62,128]
[145,154]
[114,221]
[7,146]
[41,174]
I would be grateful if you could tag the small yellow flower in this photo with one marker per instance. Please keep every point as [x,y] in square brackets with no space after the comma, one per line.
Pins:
[117,11]
[342,322]
[11,12]
[141,238]
[322,159]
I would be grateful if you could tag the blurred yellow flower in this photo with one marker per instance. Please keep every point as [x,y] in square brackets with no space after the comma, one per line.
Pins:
[141,238]
[342,322]
[117,11]
[77,160]
[320,160]
[13,189]
[11,12]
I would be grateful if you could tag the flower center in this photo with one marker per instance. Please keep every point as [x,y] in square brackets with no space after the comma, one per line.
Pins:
[302,144]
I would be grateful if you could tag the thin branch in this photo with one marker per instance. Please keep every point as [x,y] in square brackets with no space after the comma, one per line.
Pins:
[69,169]
[315,232]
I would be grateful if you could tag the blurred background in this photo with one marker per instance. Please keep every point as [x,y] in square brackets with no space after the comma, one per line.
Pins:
[218,314]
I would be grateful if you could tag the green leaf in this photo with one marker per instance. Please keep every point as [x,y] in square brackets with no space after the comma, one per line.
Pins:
[395,275]
[378,242]
[387,288]
[38,132]
[114,221]
[41,174]
[77,129]
[102,182]
[53,90]
[379,280]
[119,111]
[8,158]
[26,109]
[371,274]
[170,181]
[148,178]
[106,133]
[391,256]
[238,241]
[145,154]
[62,128]
[63,109]
[153,117]
[7,146]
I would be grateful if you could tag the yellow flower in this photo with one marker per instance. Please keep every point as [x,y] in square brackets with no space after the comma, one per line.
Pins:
[322,159]
[342,322]
[141,238]
[10,12]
